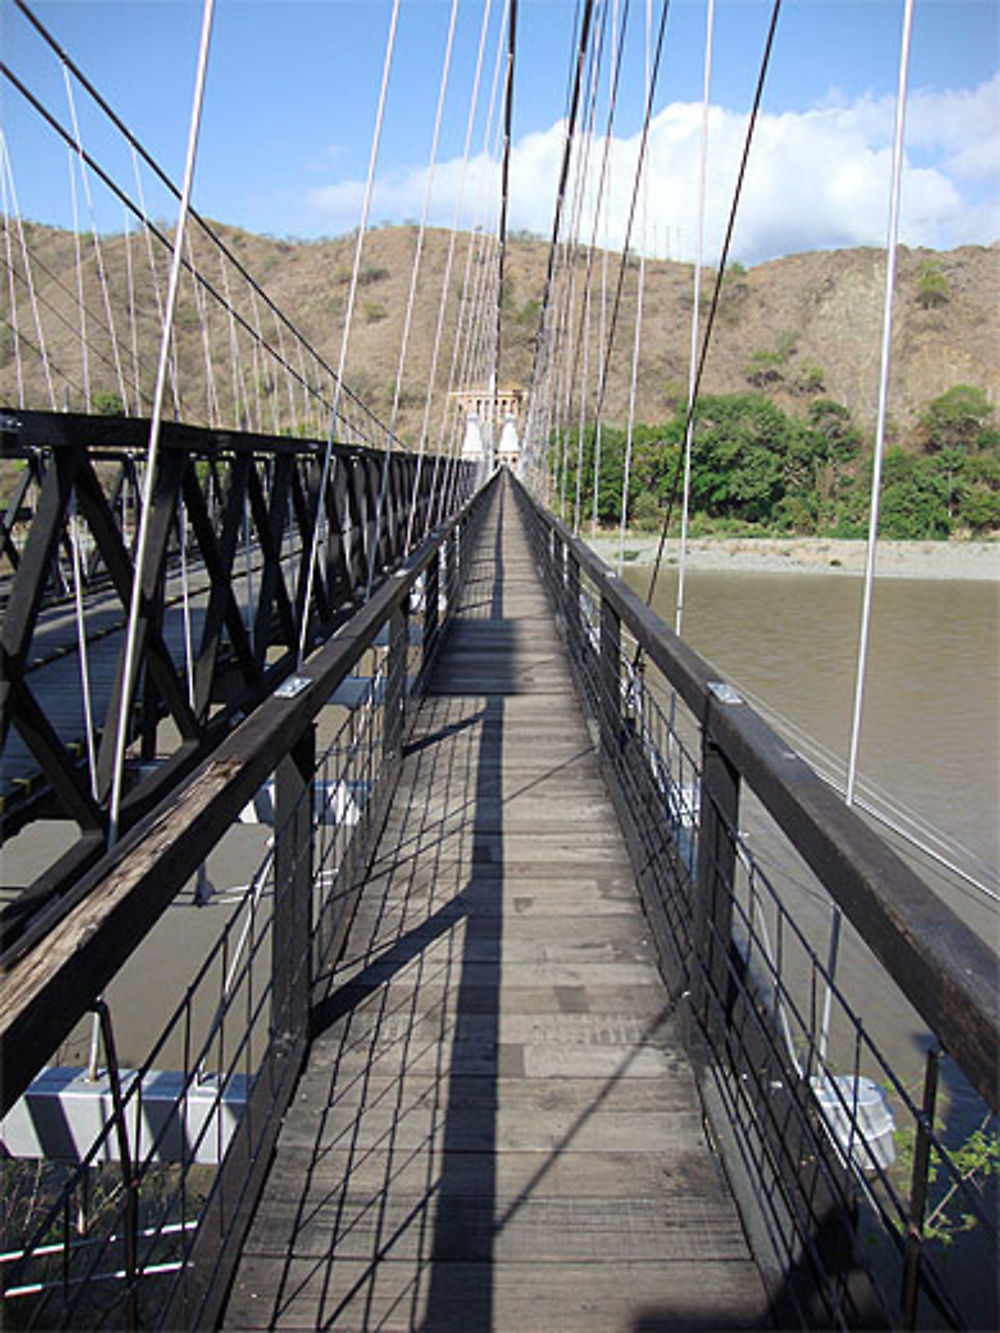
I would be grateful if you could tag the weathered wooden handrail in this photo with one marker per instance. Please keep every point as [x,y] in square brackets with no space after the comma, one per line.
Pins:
[946,971]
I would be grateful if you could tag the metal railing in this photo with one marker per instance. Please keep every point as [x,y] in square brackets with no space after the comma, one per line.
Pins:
[848,1071]
[242,538]
[141,1223]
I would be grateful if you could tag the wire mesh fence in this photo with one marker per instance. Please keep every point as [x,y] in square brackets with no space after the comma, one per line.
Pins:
[128,1187]
[857,1125]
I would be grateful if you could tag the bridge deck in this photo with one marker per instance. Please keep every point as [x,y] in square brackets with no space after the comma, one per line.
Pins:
[497,1128]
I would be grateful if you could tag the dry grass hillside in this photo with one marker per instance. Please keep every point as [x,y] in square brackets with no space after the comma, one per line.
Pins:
[805,326]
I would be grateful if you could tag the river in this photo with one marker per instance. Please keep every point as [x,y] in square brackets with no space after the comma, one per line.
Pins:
[931,726]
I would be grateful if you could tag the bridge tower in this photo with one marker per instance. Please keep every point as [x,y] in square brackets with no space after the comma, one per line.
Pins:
[491,427]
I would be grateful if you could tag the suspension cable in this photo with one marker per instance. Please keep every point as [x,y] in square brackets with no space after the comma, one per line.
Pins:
[440,486]
[716,291]
[464,298]
[84,364]
[574,100]
[102,275]
[411,295]
[154,166]
[505,178]
[346,334]
[128,665]
[695,312]
[12,289]
[640,167]
[883,398]
[643,183]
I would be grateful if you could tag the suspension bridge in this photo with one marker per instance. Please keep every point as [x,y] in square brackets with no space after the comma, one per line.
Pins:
[476,1007]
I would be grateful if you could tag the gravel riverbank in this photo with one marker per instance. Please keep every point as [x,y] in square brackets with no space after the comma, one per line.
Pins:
[813,555]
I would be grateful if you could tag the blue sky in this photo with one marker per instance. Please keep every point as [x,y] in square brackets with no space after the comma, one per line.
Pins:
[292,90]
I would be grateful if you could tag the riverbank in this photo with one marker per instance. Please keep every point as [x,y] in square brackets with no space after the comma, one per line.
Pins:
[812,555]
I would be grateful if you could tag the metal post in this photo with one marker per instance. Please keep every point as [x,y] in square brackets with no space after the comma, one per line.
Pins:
[130,1204]
[610,679]
[395,685]
[451,565]
[573,601]
[293,874]
[556,566]
[918,1192]
[715,883]
[432,585]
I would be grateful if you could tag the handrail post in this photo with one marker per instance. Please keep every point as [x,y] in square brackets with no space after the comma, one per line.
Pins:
[452,572]
[293,874]
[610,678]
[395,684]
[714,883]
[573,600]
[913,1253]
[432,586]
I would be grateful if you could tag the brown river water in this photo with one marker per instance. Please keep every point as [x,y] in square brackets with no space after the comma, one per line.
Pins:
[930,741]
[930,737]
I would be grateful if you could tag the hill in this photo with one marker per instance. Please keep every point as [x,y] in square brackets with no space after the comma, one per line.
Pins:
[797,328]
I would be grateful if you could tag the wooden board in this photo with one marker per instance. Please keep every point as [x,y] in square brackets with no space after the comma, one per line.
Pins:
[497,1127]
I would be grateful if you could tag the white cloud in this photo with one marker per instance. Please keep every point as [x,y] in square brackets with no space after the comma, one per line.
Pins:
[816,179]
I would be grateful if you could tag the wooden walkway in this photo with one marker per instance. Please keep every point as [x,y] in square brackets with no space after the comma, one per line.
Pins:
[497,1128]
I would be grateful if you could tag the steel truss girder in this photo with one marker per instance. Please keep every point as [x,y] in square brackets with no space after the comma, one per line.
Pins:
[219,484]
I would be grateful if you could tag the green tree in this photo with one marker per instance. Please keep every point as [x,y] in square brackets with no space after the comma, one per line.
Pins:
[833,421]
[741,443]
[956,419]
[979,492]
[914,500]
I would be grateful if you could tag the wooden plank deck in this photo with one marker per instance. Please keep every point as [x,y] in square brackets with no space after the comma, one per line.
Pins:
[497,1127]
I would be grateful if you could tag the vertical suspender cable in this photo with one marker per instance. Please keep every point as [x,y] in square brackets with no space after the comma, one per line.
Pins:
[128,667]
[155,276]
[12,288]
[345,336]
[540,366]
[713,308]
[465,303]
[84,177]
[81,637]
[411,296]
[133,331]
[883,396]
[605,169]
[504,184]
[84,363]
[450,467]
[637,343]
[693,365]
[583,333]
[637,180]
[26,260]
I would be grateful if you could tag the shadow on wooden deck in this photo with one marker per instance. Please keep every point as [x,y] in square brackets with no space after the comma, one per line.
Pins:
[497,1128]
